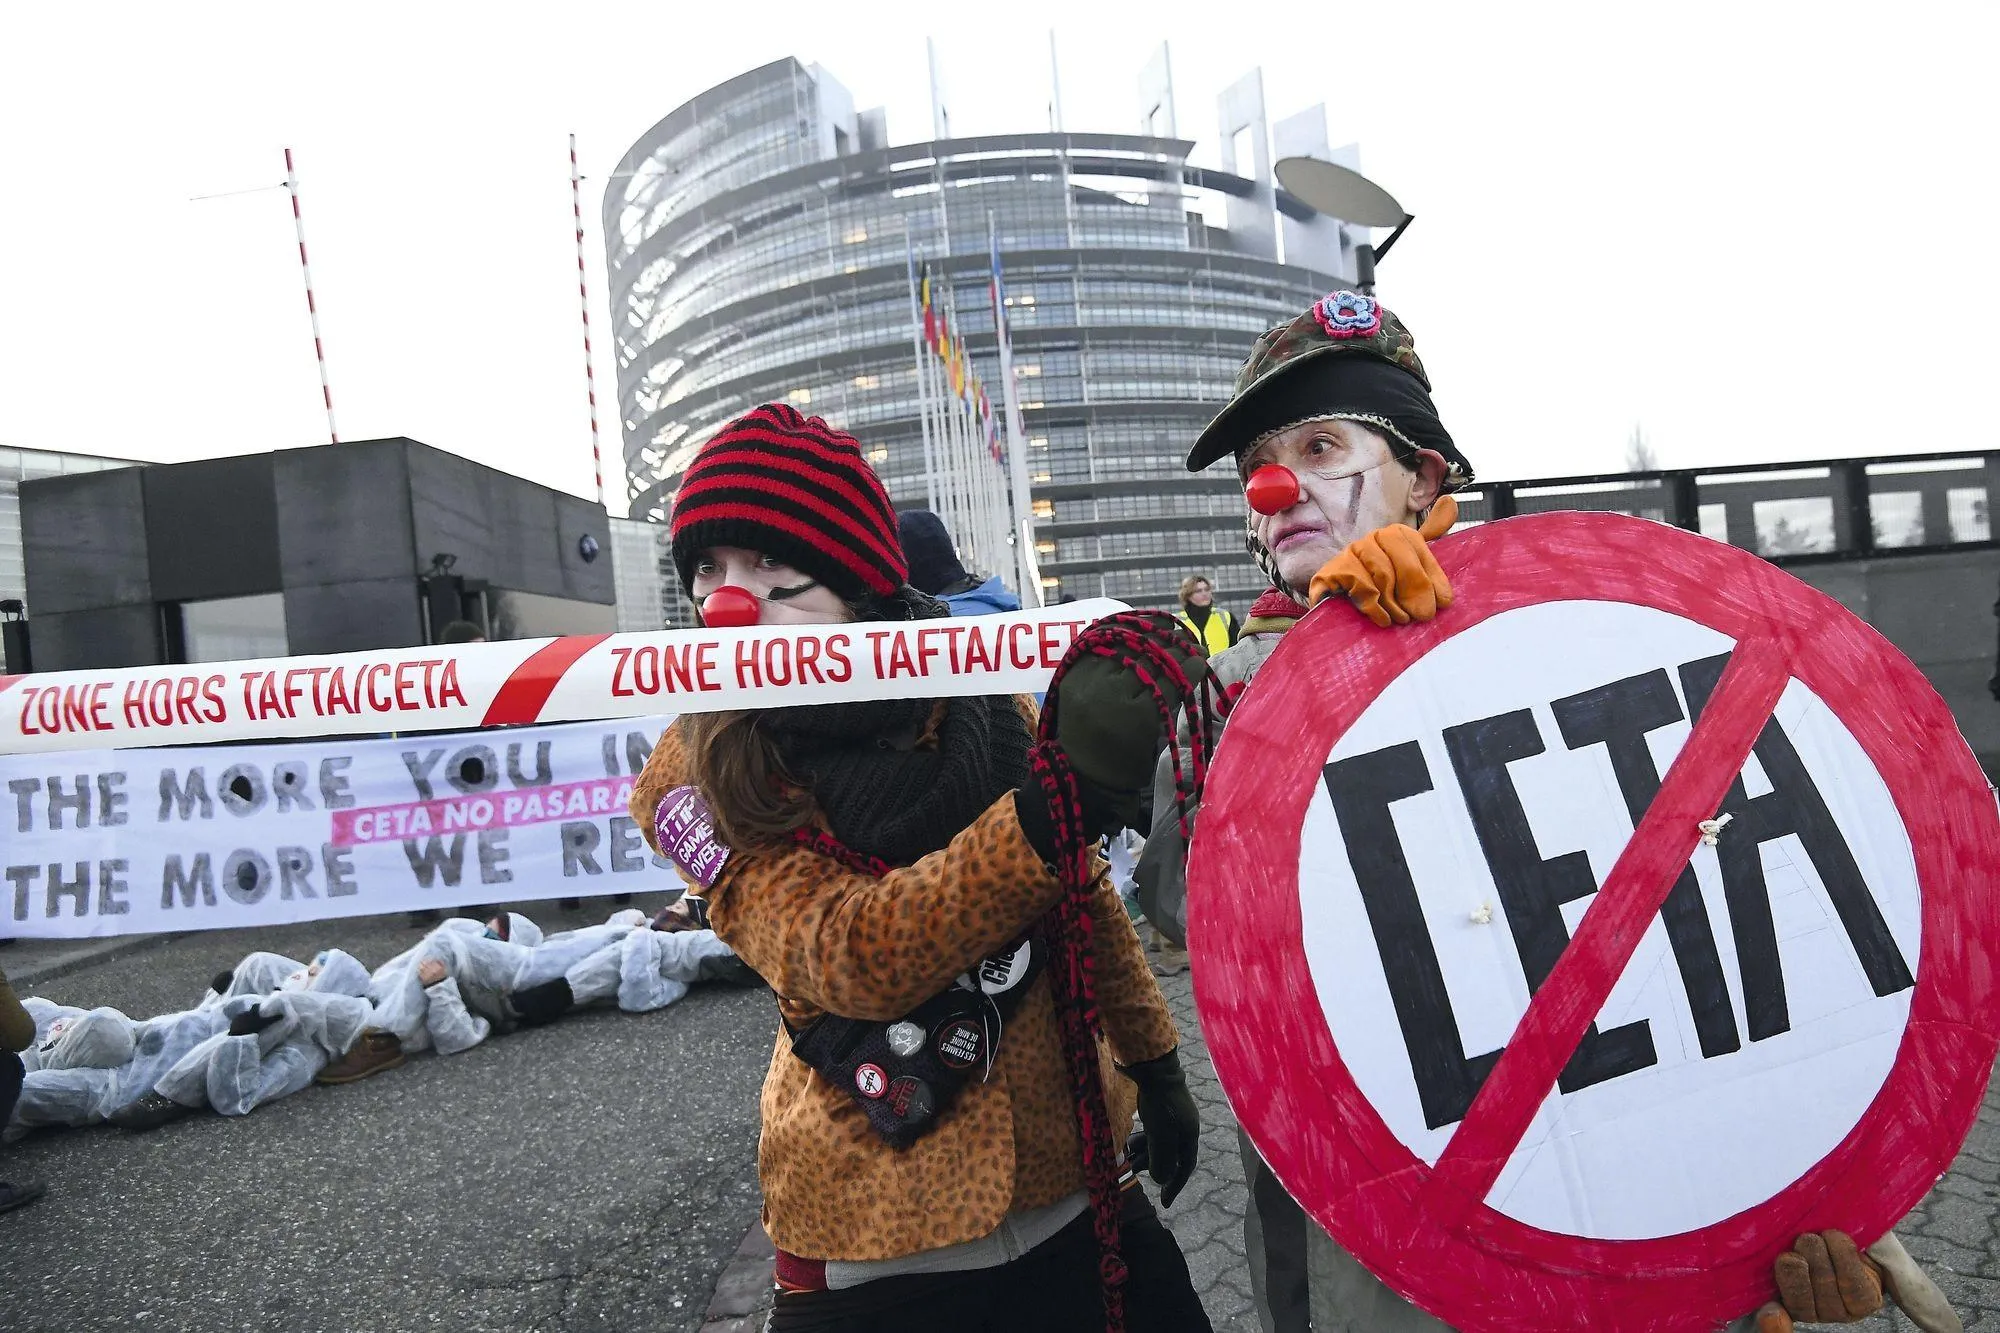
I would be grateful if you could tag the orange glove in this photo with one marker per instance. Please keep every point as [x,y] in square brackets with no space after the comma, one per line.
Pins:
[1822,1279]
[1390,574]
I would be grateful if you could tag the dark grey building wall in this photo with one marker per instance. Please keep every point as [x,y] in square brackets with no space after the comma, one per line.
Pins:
[510,532]
[1938,611]
[592,581]
[211,528]
[328,497]
[353,616]
[85,539]
[345,532]
[111,636]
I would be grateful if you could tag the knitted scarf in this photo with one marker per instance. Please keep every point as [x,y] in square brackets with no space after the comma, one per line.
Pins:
[884,797]
[1273,613]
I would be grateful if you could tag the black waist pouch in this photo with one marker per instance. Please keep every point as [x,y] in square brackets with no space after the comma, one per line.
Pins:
[904,1074]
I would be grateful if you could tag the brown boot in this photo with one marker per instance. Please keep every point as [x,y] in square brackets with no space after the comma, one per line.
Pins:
[373,1051]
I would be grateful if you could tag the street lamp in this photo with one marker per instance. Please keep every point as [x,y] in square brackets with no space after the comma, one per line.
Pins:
[1351,197]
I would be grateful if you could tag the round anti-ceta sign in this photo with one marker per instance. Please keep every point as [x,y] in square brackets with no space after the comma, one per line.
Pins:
[1570,955]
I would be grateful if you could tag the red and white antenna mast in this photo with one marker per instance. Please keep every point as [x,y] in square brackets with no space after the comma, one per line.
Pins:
[583,296]
[312,307]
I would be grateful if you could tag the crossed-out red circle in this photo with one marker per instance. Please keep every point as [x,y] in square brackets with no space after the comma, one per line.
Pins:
[1465,1262]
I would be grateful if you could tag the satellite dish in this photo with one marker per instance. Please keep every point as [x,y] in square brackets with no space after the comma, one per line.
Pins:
[1339,192]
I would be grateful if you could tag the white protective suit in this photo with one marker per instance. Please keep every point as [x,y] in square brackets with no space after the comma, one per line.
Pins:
[80,1078]
[320,1011]
[560,952]
[258,974]
[459,1012]
[647,969]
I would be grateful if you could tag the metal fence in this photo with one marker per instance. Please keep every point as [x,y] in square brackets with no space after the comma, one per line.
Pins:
[1839,508]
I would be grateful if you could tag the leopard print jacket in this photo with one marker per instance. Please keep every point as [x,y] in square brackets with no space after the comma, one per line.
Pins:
[830,940]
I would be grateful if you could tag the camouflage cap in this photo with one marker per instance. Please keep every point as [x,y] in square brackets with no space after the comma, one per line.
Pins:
[1339,323]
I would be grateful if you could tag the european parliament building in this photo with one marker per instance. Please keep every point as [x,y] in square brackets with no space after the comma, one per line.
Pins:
[758,244]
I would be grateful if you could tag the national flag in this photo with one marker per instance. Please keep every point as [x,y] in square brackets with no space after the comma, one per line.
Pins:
[930,315]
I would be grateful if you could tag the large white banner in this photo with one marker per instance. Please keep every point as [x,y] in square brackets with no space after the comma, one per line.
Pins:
[117,842]
[458,687]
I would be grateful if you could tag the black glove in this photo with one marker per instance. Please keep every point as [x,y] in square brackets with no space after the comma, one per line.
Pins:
[251,1022]
[1172,1123]
[1104,812]
[544,1003]
[1107,722]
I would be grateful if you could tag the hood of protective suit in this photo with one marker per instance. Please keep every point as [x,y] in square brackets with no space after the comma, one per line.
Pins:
[331,972]
[340,973]
[45,1013]
[259,973]
[522,931]
[630,916]
[100,1039]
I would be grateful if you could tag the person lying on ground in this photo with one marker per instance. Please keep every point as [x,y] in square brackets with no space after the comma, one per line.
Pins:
[273,1046]
[91,1065]
[17,1033]
[650,969]
[449,991]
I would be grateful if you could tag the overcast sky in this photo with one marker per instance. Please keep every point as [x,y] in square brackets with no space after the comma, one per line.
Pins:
[1758,231]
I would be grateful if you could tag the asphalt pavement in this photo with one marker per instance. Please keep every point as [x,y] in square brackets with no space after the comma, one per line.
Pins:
[592,1175]
[595,1175]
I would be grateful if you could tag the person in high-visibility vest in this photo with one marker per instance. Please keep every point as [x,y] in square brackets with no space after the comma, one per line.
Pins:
[1215,627]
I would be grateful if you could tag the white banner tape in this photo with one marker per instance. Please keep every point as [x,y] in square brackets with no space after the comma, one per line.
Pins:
[462,687]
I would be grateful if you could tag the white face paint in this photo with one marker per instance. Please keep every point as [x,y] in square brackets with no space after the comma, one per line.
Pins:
[787,597]
[1349,485]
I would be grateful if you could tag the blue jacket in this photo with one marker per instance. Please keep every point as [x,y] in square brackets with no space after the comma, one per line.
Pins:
[989,598]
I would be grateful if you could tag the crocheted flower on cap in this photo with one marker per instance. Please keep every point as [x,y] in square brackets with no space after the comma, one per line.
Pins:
[1347,315]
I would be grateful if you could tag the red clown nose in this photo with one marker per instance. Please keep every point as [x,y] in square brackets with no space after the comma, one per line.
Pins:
[730,607]
[1272,489]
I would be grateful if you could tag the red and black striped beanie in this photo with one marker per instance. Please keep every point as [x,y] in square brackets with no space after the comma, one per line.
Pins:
[796,489]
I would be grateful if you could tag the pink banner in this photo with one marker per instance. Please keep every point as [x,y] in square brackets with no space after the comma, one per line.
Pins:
[481,810]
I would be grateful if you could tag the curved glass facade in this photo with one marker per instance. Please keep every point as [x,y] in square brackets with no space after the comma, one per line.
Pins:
[757,241]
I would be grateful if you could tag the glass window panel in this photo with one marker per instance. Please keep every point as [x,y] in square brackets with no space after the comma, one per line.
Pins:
[1802,526]
[1898,517]
[1713,521]
[224,629]
[1965,509]
[527,615]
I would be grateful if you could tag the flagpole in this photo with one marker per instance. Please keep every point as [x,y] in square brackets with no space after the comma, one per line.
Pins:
[968,531]
[940,382]
[996,500]
[1017,452]
[923,396]
[941,373]
[947,460]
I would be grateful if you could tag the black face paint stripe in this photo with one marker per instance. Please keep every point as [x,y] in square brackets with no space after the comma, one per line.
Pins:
[786,594]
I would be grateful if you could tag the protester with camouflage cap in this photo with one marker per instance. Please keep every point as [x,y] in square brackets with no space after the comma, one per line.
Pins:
[1347,473]
[1339,400]
[1335,407]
